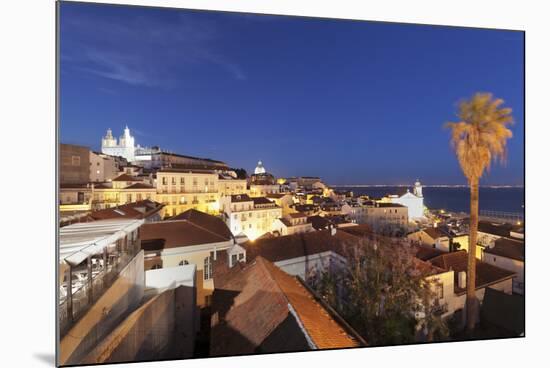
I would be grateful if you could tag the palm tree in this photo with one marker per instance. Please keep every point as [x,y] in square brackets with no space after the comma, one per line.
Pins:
[477,139]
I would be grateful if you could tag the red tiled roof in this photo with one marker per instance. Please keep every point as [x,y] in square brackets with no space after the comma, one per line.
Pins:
[298,245]
[359,230]
[259,308]
[513,249]
[486,274]
[180,233]
[426,253]
[134,210]
[435,232]
[206,221]
[126,177]
[139,186]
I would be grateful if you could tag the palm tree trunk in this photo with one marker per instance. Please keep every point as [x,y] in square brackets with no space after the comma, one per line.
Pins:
[471,299]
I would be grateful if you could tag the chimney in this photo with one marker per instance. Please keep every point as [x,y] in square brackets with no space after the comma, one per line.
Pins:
[462,279]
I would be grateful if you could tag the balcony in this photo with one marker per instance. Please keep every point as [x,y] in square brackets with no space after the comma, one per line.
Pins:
[89,282]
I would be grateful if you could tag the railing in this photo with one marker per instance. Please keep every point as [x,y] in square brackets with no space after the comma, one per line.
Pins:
[83,298]
[511,217]
[184,191]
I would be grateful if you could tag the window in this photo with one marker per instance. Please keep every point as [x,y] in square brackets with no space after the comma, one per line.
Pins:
[241,256]
[164,180]
[233,259]
[182,180]
[208,268]
[439,291]
[173,180]
[184,263]
[75,160]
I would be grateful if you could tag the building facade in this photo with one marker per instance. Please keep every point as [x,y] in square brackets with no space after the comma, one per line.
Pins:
[102,167]
[252,217]
[74,164]
[181,190]
[413,201]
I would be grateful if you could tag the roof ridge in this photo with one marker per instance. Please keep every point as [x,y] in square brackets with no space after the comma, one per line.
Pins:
[204,229]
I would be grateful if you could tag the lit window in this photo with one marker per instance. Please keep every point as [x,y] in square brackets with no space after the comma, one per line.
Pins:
[208,268]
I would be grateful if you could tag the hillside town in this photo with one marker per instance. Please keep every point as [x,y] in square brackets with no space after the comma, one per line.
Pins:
[164,255]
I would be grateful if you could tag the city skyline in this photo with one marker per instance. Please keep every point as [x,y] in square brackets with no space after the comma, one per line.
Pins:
[240,88]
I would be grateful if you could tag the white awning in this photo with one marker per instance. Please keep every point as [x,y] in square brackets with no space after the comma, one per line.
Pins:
[78,241]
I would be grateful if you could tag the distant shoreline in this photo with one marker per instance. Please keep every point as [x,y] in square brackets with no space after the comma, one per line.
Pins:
[424,185]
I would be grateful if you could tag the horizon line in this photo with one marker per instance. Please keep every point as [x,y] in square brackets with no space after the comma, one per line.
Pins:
[428,185]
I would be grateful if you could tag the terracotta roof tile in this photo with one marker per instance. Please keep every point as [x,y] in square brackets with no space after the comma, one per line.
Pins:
[179,233]
[126,177]
[206,221]
[513,249]
[298,245]
[135,210]
[486,274]
[254,303]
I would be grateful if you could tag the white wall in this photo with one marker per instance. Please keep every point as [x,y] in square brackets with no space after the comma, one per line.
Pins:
[510,265]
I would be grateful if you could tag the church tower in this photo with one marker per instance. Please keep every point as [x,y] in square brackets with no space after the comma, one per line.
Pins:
[124,148]
[417,189]
[108,140]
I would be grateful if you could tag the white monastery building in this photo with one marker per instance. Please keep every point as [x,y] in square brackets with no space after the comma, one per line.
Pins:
[124,147]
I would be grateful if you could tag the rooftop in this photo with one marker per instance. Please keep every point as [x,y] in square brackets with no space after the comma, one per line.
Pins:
[240,198]
[262,201]
[135,210]
[513,249]
[298,245]
[206,221]
[287,315]
[139,186]
[177,233]
[486,274]
[126,177]
[435,232]
[359,230]
[78,241]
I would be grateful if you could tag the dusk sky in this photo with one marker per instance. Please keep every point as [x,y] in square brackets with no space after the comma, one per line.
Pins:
[354,102]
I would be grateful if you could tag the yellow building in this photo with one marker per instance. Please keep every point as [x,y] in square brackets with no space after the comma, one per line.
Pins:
[182,189]
[123,189]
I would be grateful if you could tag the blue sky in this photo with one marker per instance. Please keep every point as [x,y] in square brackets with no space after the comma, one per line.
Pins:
[351,101]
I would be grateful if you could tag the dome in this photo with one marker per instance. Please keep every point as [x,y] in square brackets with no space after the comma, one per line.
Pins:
[259,169]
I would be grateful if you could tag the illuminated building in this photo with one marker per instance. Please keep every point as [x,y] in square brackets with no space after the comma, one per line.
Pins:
[413,201]
[183,189]
[252,217]
[262,182]
[124,147]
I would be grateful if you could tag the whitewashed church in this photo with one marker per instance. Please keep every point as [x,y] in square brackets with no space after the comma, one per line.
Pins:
[413,201]
[125,146]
